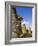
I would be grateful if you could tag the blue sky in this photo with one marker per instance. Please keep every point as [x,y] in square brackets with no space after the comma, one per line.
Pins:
[26,14]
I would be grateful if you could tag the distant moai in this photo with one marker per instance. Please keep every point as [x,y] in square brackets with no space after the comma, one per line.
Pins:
[24,29]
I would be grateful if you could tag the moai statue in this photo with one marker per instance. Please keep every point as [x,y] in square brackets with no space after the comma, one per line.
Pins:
[24,29]
[16,24]
[13,23]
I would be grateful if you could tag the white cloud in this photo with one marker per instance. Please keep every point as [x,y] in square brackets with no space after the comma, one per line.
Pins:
[26,23]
